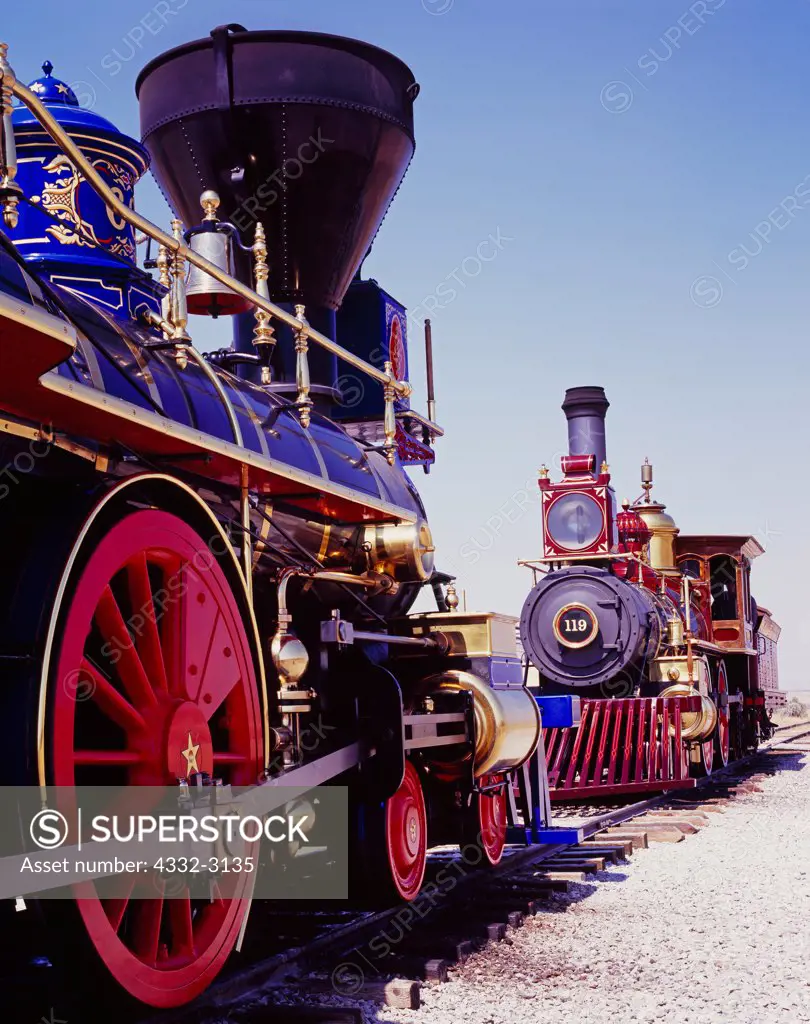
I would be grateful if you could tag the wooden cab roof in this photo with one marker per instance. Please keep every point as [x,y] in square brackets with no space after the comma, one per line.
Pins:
[709,545]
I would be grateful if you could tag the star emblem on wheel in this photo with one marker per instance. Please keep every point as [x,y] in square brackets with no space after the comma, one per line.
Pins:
[190,754]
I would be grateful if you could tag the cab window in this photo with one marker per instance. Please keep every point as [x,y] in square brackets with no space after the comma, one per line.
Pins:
[723,578]
[690,567]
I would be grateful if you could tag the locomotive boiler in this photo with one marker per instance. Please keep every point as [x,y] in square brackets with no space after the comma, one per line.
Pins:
[214,556]
[657,631]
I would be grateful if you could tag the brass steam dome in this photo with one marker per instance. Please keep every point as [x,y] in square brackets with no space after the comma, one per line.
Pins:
[663,530]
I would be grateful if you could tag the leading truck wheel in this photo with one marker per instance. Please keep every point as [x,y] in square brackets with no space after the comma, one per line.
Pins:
[406,836]
[485,822]
[153,678]
[390,853]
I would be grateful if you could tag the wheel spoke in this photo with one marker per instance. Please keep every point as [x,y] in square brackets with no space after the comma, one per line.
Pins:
[172,633]
[128,665]
[110,701]
[182,928]
[140,592]
[146,929]
[116,908]
[223,757]
[107,758]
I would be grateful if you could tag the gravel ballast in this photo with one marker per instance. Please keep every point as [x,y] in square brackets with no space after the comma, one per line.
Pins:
[712,929]
[715,928]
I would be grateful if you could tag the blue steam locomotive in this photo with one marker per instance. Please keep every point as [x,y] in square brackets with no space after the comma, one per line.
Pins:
[214,556]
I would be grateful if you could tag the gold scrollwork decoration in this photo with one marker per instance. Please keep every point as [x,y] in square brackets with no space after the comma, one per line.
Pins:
[60,199]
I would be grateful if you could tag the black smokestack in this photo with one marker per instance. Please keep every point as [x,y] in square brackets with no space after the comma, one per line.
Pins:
[310,134]
[585,409]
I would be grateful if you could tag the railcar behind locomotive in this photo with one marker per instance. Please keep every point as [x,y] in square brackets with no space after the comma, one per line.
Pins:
[657,631]
[213,552]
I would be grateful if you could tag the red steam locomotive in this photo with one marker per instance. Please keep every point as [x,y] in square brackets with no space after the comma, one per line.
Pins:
[658,632]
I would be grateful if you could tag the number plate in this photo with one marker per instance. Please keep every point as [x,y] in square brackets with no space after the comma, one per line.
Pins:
[575,625]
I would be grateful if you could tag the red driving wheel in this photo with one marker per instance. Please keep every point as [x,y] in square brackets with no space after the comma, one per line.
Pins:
[406,835]
[722,739]
[153,680]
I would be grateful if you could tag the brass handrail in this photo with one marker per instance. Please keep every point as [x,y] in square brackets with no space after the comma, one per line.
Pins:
[69,147]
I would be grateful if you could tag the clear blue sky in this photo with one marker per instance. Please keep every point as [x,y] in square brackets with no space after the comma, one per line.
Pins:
[646,165]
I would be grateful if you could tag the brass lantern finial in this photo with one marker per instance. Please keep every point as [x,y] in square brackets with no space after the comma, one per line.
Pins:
[162,264]
[263,332]
[209,201]
[178,310]
[304,402]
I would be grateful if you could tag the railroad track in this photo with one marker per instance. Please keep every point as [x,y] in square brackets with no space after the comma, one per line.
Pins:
[388,956]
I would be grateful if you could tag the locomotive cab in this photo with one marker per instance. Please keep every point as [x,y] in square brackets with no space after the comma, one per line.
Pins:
[722,565]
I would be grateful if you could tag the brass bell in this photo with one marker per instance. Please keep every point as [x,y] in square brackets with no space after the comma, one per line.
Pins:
[213,241]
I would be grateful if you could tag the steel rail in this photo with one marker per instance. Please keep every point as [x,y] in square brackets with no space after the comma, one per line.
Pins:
[233,988]
[174,245]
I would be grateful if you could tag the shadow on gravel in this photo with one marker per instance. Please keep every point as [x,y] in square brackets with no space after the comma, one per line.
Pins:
[785,762]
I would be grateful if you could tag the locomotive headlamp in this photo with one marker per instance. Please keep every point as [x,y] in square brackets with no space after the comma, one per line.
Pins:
[402,551]
[575,521]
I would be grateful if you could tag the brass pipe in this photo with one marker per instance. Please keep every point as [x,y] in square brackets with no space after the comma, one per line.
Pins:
[687,614]
[345,577]
[247,546]
[175,246]
[216,383]
[327,576]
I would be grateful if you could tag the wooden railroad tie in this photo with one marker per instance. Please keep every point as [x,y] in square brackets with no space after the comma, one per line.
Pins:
[651,825]
[578,860]
[701,806]
[613,854]
[666,834]
[623,848]
[693,817]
